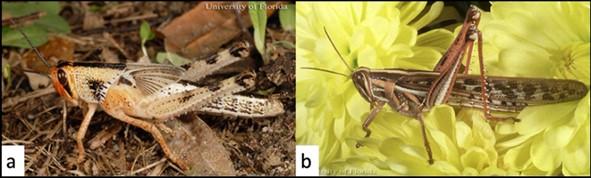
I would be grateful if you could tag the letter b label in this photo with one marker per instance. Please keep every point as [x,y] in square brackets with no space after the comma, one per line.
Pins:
[307,160]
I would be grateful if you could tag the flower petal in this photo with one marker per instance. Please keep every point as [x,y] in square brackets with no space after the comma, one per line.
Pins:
[558,137]
[543,157]
[518,158]
[431,15]
[577,153]
[535,119]
[475,157]
[440,39]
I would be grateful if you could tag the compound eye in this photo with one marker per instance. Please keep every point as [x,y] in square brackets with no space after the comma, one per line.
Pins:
[63,79]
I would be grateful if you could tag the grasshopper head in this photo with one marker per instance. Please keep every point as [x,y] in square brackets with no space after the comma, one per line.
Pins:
[60,77]
[361,80]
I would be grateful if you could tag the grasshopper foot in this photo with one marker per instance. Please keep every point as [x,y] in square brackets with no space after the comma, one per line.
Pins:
[367,132]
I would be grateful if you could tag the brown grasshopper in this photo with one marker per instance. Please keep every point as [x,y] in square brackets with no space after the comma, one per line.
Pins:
[146,95]
[412,92]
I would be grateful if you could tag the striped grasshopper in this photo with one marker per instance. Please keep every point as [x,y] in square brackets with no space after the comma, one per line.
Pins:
[412,92]
[147,95]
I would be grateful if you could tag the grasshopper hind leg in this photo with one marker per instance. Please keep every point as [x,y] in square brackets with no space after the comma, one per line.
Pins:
[425,141]
[118,104]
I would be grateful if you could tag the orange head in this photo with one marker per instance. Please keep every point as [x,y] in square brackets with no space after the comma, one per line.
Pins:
[61,81]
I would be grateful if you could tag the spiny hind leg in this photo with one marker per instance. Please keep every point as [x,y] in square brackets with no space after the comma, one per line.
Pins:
[483,83]
[152,129]
[425,140]
[117,104]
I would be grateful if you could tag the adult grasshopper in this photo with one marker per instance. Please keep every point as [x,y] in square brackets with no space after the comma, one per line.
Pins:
[412,92]
[146,95]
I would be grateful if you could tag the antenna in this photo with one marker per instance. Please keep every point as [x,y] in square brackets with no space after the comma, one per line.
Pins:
[325,70]
[340,57]
[31,44]
[335,48]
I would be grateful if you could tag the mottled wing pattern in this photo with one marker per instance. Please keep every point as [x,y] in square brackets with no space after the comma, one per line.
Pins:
[150,78]
[533,91]
[178,98]
[201,68]
[505,93]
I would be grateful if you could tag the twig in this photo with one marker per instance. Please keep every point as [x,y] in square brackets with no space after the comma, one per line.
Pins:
[175,167]
[157,170]
[22,19]
[44,111]
[76,172]
[64,116]
[50,156]
[149,166]
[75,40]
[140,17]
[16,142]
[141,153]
[9,102]
[33,159]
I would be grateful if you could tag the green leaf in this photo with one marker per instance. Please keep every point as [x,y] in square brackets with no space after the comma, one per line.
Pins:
[287,17]
[17,9]
[174,59]
[258,17]
[37,32]
[161,57]
[54,23]
[12,37]
[145,32]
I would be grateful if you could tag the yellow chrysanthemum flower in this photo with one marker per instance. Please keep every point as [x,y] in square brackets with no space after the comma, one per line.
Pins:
[376,35]
[330,111]
[545,40]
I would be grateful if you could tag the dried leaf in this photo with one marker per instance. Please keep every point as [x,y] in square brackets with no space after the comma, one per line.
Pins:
[55,48]
[199,147]
[204,29]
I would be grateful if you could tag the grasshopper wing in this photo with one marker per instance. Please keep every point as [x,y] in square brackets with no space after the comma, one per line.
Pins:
[150,78]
